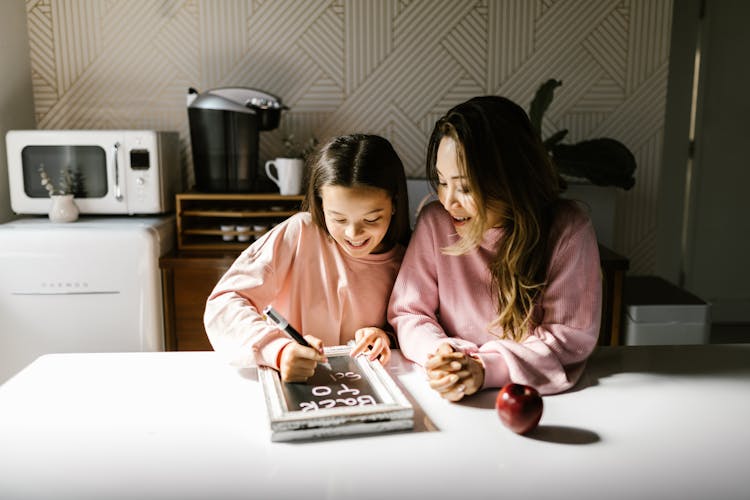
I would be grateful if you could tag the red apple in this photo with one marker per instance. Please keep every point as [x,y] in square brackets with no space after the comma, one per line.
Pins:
[519,407]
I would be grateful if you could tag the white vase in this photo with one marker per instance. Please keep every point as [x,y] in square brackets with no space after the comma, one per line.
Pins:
[63,209]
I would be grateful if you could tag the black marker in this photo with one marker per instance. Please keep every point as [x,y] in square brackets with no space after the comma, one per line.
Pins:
[283,324]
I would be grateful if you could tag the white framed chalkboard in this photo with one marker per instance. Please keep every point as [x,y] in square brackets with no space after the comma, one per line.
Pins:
[355,396]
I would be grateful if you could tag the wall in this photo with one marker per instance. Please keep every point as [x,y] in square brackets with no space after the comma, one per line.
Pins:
[16,104]
[711,262]
[389,67]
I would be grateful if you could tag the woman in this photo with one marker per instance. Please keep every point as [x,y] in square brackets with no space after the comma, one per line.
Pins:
[501,280]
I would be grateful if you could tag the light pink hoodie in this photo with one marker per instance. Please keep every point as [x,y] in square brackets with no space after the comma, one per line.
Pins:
[310,280]
[443,298]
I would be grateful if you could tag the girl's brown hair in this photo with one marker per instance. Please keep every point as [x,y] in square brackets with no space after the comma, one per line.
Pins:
[504,161]
[360,160]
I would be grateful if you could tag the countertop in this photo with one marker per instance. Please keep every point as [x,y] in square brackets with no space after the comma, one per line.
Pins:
[644,422]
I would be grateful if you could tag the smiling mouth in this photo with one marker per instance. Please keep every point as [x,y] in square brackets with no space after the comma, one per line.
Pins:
[357,244]
[460,220]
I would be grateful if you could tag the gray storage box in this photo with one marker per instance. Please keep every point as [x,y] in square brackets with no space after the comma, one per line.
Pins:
[658,313]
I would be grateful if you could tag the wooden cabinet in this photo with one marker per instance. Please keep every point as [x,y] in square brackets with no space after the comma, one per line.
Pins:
[614,267]
[188,280]
[205,251]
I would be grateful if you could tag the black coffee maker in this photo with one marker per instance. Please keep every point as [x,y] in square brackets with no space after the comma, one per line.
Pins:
[224,128]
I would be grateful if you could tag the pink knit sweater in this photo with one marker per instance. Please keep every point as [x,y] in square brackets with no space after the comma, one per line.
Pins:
[310,280]
[442,298]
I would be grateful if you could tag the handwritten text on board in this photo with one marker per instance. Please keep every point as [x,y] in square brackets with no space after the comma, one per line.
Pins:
[344,385]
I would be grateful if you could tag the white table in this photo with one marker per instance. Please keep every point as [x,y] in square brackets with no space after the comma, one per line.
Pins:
[645,422]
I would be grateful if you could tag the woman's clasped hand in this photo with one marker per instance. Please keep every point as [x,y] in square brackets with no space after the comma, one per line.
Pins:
[454,374]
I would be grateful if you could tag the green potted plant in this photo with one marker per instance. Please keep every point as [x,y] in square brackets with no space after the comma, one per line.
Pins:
[296,149]
[601,161]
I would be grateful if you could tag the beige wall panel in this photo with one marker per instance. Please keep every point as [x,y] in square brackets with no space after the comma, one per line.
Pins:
[383,66]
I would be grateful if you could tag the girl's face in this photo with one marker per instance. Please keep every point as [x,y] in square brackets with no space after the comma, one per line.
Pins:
[357,217]
[454,191]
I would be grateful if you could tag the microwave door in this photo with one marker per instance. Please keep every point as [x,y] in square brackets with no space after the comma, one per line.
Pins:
[90,166]
[101,188]
[114,172]
[81,169]
[92,171]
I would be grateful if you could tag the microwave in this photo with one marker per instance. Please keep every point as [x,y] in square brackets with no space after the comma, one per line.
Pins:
[109,171]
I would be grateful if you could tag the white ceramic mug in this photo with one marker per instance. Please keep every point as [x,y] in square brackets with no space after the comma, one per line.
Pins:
[288,174]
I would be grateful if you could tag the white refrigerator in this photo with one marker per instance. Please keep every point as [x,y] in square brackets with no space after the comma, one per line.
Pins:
[93,285]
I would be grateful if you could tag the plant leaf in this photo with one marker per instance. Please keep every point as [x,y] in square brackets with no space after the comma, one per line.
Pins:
[603,161]
[558,136]
[541,101]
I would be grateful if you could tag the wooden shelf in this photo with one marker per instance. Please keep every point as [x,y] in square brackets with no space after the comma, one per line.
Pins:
[200,217]
[233,213]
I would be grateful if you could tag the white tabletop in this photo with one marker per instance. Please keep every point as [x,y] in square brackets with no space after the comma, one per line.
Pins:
[645,422]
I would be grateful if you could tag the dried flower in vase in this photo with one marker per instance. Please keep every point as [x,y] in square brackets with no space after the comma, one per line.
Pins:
[64,186]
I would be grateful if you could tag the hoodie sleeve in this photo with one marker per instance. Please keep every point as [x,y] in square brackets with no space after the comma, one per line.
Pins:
[415,299]
[233,316]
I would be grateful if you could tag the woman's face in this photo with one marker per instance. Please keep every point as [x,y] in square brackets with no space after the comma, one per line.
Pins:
[357,217]
[454,191]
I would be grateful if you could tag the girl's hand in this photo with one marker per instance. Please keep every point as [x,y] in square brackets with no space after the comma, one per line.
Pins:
[375,340]
[297,362]
[454,374]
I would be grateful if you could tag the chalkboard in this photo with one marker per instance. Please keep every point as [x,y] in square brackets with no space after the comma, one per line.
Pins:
[343,385]
[355,396]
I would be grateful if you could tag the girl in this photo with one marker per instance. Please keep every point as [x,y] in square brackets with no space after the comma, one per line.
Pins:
[501,280]
[328,270]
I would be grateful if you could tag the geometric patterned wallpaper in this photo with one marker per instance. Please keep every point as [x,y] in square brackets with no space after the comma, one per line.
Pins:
[382,66]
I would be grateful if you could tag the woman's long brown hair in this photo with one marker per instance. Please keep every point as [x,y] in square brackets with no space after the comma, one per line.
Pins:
[504,161]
